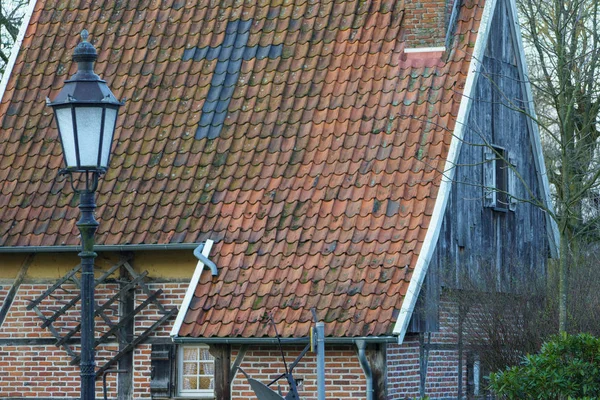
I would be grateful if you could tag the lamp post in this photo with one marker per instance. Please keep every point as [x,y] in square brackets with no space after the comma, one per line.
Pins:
[86,115]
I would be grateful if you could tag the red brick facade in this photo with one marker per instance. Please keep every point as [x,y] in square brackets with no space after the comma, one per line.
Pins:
[425,22]
[32,366]
[344,377]
[441,381]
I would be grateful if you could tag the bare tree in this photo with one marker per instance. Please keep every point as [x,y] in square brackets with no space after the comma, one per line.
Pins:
[11,16]
[564,51]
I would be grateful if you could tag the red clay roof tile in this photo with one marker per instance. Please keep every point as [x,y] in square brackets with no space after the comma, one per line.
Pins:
[315,188]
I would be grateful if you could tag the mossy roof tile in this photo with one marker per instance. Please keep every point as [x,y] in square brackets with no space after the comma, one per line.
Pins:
[314,184]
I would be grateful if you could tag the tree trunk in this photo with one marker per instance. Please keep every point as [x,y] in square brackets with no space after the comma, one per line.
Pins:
[563,285]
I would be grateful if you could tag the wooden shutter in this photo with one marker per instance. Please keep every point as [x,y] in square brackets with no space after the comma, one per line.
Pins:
[512,182]
[489,177]
[161,380]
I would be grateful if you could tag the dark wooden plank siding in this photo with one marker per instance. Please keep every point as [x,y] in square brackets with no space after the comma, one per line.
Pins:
[480,247]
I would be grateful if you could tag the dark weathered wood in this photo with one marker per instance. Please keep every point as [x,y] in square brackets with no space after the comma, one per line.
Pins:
[122,330]
[126,334]
[480,247]
[102,278]
[131,345]
[60,312]
[238,361]
[129,285]
[222,355]
[376,356]
[98,311]
[50,341]
[10,296]
[68,337]
[52,288]
[127,320]
[55,333]
[162,378]
[74,300]
[144,288]
[424,348]
[425,317]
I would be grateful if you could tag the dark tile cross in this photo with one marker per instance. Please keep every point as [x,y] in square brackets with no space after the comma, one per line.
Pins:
[230,55]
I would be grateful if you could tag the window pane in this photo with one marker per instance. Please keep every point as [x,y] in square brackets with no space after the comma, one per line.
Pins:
[208,368]
[190,368]
[190,353]
[196,371]
[190,383]
[206,383]
[205,354]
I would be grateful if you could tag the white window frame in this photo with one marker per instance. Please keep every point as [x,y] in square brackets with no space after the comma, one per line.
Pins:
[491,157]
[191,393]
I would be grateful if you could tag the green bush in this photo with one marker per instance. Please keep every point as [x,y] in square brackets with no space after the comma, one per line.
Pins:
[567,367]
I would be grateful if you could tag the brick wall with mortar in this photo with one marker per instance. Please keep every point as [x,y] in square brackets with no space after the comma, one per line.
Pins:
[43,370]
[442,376]
[37,368]
[425,22]
[344,377]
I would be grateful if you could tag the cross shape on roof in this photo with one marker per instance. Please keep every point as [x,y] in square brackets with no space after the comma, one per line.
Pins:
[230,55]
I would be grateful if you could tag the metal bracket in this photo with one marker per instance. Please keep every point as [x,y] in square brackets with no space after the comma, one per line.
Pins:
[118,371]
[198,254]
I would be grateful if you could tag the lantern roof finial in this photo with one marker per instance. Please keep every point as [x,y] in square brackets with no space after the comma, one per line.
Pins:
[85,51]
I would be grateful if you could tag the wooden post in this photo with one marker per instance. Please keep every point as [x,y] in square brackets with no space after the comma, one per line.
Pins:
[10,297]
[127,300]
[222,355]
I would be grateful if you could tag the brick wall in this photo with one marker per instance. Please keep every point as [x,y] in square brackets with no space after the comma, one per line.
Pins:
[40,369]
[142,371]
[403,370]
[43,370]
[425,22]
[441,380]
[344,377]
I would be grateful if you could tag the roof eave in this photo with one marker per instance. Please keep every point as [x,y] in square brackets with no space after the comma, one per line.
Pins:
[283,341]
[98,248]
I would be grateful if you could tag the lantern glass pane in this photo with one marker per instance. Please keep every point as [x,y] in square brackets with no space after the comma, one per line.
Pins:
[67,137]
[88,134]
[109,130]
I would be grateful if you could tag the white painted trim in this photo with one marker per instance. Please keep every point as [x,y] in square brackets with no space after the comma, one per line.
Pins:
[424,49]
[16,47]
[433,231]
[536,144]
[192,393]
[189,294]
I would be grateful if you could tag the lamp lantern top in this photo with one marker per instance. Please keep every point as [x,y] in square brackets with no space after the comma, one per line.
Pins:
[86,114]
[85,86]
[85,51]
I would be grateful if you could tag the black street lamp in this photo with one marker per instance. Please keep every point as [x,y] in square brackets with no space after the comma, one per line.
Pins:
[86,115]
